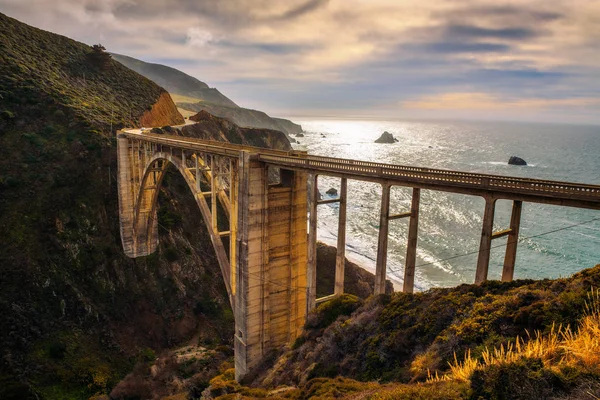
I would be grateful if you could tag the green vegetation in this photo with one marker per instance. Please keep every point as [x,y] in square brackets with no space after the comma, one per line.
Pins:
[47,75]
[409,339]
[75,312]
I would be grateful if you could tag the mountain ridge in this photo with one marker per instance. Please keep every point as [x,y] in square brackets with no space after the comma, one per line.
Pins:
[174,81]
[209,99]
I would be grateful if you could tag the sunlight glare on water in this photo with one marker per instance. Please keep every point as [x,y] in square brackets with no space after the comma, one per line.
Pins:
[450,224]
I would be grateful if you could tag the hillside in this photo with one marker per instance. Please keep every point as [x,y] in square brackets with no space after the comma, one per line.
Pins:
[501,340]
[175,81]
[75,312]
[202,98]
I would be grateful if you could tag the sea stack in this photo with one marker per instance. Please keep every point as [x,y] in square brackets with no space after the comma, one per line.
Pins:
[386,137]
[514,160]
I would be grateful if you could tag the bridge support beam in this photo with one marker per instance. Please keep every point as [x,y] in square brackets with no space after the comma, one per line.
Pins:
[311,271]
[411,248]
[270,306]
[511,245]
[382,246]
[483,260]
[340,259]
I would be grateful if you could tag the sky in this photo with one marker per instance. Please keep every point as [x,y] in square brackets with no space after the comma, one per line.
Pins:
[451,59]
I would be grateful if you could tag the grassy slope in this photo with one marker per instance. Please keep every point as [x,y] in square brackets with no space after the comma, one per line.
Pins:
[74,310]
[403,338]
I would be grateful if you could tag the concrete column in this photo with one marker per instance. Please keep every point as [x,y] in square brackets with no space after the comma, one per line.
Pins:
[233,221]
[411,248]
[340,259]
[251,301]
[126,196]
[213,196]
[311,272]
[381,267]
[511,245]
[197,173]
[483,261]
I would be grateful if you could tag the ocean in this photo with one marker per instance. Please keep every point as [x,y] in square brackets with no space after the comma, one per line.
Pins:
[554,241]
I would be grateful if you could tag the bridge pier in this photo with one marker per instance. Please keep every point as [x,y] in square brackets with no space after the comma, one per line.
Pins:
[311,267]
[511,245]
[382,244]
[340,259]
[485,245]
[270,307]
[411,247]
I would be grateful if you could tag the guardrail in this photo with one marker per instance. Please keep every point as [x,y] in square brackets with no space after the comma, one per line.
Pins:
[440,177]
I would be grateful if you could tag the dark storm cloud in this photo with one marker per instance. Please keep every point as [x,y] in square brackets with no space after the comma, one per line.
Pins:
[520,15]
[464,47]
[471,31]
[231,13]
[302,9]
[252,48]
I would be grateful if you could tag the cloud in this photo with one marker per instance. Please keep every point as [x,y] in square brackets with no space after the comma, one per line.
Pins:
[465,47]
[471,31]
[197,37]
[348,54]
[487,101]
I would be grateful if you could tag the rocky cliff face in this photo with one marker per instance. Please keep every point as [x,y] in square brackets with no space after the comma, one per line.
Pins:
[163,112]
[357,281]
[290,127]
[244,117]
[211,127]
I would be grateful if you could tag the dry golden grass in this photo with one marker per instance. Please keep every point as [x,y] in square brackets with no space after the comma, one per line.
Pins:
[563,346]
[177,98]
[583,347]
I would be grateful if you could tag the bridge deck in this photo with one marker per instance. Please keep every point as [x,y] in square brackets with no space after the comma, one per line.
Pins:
[507,187]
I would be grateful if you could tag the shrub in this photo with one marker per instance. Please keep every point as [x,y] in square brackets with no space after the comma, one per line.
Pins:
[329,311]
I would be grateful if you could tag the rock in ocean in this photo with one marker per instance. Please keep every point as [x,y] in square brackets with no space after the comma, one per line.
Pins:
[386,137]
[514,160]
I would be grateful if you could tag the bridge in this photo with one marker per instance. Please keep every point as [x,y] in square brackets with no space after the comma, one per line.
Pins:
[254,202]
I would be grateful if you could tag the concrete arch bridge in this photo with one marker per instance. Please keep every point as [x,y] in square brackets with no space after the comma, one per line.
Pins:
[266,248]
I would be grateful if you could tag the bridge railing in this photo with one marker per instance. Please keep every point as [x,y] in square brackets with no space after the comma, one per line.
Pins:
[432,176]
[438,176]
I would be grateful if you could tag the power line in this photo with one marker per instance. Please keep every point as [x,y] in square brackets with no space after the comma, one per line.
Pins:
[501,245]
[264,280]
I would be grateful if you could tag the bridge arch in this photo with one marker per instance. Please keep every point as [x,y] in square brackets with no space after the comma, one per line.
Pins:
[147,174]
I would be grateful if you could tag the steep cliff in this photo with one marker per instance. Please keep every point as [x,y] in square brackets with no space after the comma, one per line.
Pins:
[210,127]
[163,112]
[290,127]
[357,281]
